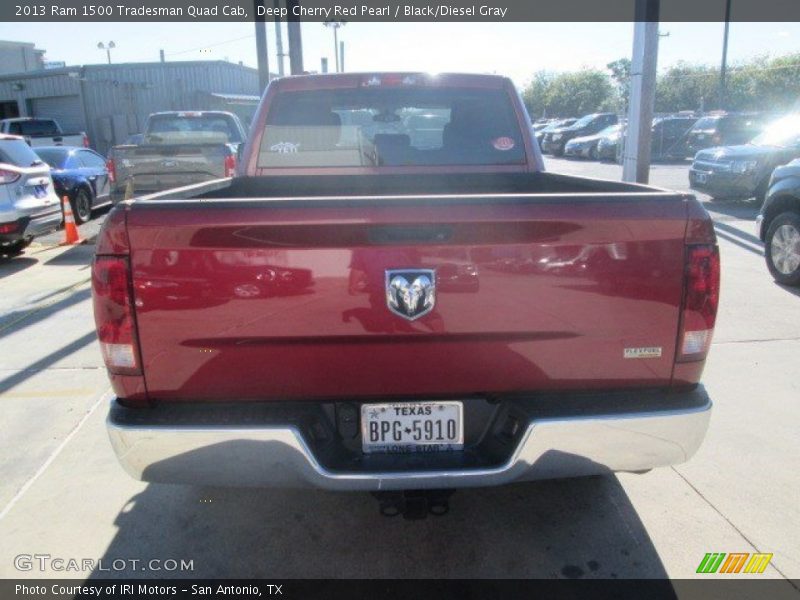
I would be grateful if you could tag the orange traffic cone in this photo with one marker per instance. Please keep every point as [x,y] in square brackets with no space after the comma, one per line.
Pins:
[70,230]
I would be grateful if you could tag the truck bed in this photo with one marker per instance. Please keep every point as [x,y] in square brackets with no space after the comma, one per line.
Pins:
[275,288]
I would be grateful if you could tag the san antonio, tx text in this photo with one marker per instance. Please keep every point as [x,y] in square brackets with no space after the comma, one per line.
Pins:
[89,589]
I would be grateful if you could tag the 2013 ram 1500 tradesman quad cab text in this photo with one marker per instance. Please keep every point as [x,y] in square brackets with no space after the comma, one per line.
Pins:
[394,295]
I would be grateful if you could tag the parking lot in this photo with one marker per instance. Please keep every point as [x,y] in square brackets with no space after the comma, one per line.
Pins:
[63,493]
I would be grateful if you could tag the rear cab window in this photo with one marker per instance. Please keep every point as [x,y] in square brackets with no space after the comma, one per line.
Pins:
[706,124]
[391,126]
[191,128]
[35,127]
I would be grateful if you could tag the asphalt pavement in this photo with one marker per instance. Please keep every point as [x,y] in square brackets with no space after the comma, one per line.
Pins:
[62,492]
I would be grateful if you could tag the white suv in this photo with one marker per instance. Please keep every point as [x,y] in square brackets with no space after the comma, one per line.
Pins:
[28,202]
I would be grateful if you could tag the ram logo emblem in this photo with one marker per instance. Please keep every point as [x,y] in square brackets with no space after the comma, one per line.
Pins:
[410,293]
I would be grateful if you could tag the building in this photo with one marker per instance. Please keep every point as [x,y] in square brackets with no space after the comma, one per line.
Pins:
[20,57]
[111,102]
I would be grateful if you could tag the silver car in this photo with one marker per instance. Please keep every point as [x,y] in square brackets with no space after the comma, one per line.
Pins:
[28,202]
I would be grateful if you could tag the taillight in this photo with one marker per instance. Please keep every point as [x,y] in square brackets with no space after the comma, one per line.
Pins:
[230,165]
[700,301]
[112,170]
[9,227]
[7,176]
[113,314]
[85,141]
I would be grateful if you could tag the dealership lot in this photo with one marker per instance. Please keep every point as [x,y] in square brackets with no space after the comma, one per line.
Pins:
[64,495]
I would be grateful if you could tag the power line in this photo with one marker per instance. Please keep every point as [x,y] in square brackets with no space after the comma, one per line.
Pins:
[244,37]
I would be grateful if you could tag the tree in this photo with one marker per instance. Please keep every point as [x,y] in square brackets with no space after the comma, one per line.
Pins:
[621,74]
[535,94]
[687,87]
[569,94]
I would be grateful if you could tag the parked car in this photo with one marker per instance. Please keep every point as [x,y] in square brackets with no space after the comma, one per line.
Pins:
[406,362]
[178,148]
[778,224]
[28,202]
[668,137]
[554,141]
[609,146]
[43,132]
[81,175]
[552,126]
[741,172]
[723,130]
[587,146]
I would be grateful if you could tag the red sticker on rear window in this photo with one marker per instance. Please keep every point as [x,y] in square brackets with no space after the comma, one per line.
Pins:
[503,143]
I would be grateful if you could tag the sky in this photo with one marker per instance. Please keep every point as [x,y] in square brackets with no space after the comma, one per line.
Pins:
[514,49]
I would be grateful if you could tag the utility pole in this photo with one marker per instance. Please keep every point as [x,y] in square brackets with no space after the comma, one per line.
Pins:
[341,56]
[723,85]
[261,46]
[335,25]
[636,156]
[278,37]
[161,55]
[323,64]
[295,39]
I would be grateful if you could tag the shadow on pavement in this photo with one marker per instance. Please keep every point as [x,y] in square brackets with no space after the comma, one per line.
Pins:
[744,209]
[16,320]
[792,290]
[77,255]
[31,370]
[568,528]
[11,265]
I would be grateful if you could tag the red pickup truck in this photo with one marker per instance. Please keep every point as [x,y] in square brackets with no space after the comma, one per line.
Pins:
[393,295]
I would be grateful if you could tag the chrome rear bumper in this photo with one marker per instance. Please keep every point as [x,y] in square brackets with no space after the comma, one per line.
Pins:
[272,455]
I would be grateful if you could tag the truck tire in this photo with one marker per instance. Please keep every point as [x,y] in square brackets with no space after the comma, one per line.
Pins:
[82,206]
[782,248]
[558,151]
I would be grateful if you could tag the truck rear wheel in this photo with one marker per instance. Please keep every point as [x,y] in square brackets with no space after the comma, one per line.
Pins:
[782,248]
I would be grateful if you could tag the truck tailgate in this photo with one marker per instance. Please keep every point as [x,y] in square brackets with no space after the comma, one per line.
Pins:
[274,299]
[159,167]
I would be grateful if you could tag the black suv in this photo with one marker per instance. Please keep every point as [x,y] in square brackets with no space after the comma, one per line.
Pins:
[723,130]
[553,142]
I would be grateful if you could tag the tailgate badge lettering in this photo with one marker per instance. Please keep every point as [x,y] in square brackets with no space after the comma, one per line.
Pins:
[410,293]
[648,352]
[169,163]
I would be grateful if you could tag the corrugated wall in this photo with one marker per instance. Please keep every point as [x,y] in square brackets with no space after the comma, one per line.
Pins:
[118,98]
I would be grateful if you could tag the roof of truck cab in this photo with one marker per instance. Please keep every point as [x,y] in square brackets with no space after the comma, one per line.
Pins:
[393,78]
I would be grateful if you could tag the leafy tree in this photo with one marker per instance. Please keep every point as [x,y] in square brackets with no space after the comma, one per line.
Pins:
[621,74]
[569,94]
[761,84]
[535,94]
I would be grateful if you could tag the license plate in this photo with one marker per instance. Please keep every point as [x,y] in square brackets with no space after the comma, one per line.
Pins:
[412,427]
[701,178]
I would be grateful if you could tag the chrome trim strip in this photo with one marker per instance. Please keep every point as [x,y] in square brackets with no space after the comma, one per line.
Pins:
[278,456]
